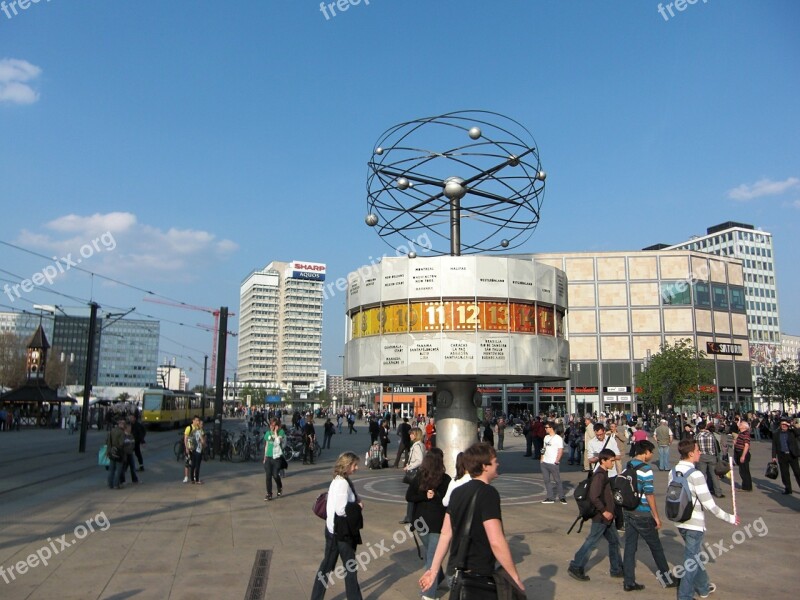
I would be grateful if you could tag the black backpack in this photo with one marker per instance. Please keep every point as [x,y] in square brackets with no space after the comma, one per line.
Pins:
[586,510]
[625,488]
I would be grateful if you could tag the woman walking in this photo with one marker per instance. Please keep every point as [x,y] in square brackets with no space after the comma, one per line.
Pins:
[426,493]
[342,529]
[274,441]
[415,456]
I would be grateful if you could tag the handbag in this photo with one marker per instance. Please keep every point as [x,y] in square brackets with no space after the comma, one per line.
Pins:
[320,507]
[102,456]
[772,471]
[409,475]
[722,467]
[284,464]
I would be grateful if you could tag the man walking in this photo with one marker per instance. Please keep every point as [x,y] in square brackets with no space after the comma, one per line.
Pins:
[404,433]
[551,457]
[693,530]
[538,433]
[708,458]
[602,522]
[643,521]
[588,436]
[487,543]
[139,432]
[664,437]
[603,441]
[785,451]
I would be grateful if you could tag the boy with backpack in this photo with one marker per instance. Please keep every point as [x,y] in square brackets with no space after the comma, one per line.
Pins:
[602,522]
[635,492]
[687,499]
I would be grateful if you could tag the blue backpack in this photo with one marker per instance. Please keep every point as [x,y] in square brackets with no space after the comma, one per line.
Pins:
[679,505]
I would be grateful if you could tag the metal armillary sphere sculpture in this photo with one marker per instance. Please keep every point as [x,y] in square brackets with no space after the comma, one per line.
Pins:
[481,189]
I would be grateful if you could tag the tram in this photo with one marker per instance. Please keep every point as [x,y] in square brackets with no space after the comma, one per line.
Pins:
[170,408]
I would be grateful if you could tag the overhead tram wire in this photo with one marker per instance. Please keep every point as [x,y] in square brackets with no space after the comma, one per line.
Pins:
[92,273]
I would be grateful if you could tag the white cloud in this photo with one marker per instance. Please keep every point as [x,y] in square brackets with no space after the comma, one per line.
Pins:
[139,250]
[96,223]
[14,77]
[763,187]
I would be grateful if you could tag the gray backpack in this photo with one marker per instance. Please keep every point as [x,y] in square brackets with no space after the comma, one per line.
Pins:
[679,505]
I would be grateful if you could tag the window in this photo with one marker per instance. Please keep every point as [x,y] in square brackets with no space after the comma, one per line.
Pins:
[676,293]
[701,294]
[720,294]
[737,298]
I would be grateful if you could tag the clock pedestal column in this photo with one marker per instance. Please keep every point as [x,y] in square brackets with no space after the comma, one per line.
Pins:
[456,419]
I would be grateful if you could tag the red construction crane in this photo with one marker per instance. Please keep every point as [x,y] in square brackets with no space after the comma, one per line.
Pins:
[215,330]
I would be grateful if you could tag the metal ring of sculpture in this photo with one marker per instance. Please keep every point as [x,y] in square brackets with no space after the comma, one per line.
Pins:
[484,189]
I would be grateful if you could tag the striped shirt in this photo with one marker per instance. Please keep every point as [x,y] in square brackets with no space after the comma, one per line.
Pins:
[742,439]
[701,498]
[644,483]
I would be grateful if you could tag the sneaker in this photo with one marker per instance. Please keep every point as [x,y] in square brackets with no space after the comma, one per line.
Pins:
[547,501]
[563,500]
[617,575]
[712,587]
[280,493]
[577,573]
[267,497]
[141,467]
[185,480]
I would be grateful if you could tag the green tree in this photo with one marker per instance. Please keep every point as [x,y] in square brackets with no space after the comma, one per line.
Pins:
[781,380]
[674,377]
[257,395]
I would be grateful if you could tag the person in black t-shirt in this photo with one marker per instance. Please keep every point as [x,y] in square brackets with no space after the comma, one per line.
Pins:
[309,437]
[487,542]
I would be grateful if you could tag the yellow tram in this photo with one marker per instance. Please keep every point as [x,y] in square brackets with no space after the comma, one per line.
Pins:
[170,408]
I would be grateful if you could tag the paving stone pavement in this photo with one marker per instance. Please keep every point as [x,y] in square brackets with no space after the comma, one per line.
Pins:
[163,539]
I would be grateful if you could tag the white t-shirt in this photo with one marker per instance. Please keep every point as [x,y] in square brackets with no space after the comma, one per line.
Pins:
[595,446]
[552,444]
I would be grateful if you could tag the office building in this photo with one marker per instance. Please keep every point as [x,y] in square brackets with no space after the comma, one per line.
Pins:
[790,347]
[754,248]
[625,305]
[280,325]
[171,377]
[128,353]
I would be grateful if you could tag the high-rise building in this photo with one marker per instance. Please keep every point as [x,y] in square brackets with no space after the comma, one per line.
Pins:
[280,325]
[754,248]
[172,377]
[128,353]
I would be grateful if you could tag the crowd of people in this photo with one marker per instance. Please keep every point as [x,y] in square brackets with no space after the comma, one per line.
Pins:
[462,516]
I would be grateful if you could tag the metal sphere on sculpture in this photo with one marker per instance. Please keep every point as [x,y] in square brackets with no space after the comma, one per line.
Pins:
[472,180]
[371,220]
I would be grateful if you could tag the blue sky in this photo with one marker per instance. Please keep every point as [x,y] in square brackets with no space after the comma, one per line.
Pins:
[211,138]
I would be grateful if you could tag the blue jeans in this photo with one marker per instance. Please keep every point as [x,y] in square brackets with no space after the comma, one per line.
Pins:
[115,470]
[663,458]
[641,524]
[430,541]
[599,529]
[325,579]
[697,579]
